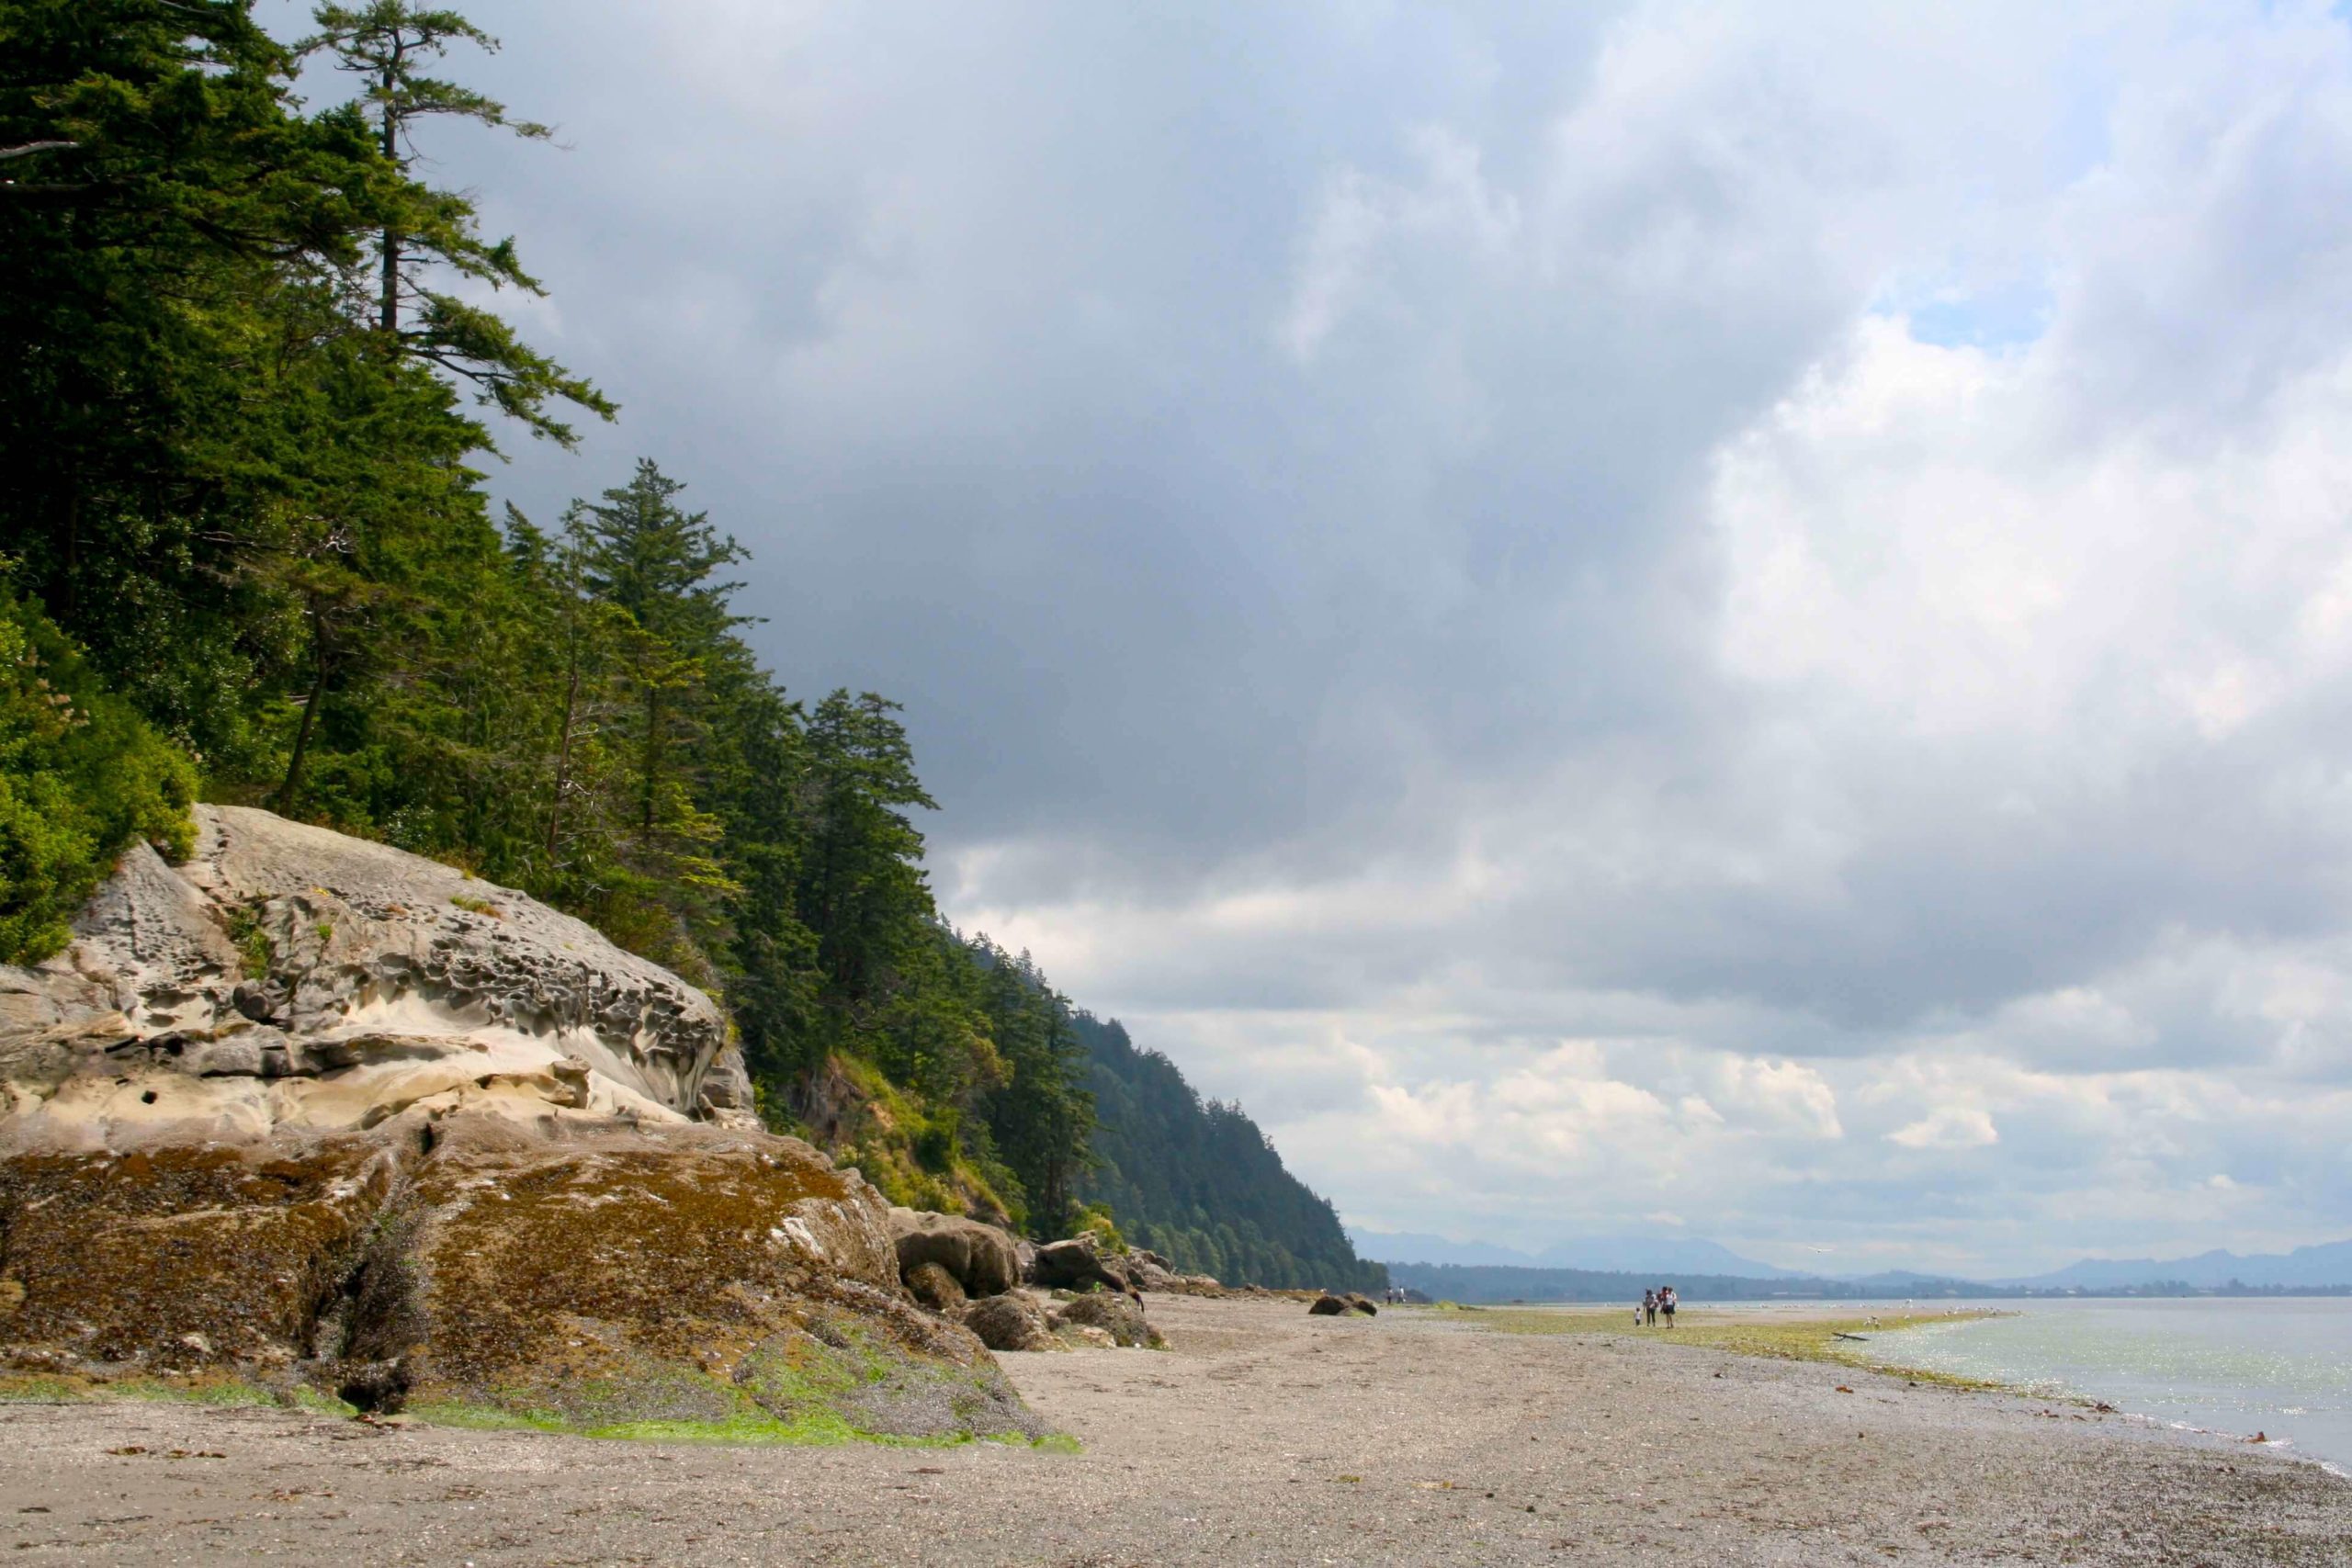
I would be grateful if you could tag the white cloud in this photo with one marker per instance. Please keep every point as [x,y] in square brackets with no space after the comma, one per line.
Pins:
[1785,1096]
[1947,1127]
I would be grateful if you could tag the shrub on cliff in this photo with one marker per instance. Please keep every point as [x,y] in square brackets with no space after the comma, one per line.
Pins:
[80,777]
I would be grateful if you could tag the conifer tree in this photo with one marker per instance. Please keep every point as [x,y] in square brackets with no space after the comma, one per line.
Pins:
[640,553]
[390,44]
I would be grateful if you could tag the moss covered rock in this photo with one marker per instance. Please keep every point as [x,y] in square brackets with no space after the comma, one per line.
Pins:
[619,1279]
[306,1117]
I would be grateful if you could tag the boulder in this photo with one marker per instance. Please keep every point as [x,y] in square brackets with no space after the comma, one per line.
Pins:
[597,1276]
[936,1288]
[1148,1271]
[1327,1306]
[308,1112]
[1112,1312]
[1357,1302]
[1076,1264]
[1012,1321]
[979,1256]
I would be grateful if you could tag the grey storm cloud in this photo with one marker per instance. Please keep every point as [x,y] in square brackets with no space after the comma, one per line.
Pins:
[1475,576]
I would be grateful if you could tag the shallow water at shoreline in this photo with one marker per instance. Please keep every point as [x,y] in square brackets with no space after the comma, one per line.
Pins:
[2279,1366]
[2282,1367]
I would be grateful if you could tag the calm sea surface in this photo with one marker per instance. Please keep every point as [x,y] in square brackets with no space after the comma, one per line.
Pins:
[2280,1367]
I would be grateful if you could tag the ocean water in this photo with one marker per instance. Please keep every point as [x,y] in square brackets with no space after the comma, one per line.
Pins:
[2279,1366]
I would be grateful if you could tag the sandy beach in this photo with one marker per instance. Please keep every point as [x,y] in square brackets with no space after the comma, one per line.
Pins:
[1262,1435]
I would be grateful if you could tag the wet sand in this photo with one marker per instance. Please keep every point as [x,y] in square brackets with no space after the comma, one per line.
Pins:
[1263,1435]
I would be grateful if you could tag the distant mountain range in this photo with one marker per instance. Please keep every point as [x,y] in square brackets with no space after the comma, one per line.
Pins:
[2328,1265]
[1608,1253]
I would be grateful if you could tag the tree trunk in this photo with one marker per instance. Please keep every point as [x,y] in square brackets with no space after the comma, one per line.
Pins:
[650,787]
[389,307]
[289,793]
[72,553]
[563,759]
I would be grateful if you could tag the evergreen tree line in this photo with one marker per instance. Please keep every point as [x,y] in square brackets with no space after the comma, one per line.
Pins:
[1199,1182]
[246,554]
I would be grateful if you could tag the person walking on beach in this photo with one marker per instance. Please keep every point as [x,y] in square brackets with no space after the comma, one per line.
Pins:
[1666,1304]
[1649,1307]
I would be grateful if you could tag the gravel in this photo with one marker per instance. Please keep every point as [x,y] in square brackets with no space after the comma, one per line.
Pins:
[1264,1434]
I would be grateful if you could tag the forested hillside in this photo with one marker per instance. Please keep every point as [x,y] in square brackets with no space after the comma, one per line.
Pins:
[246,553]
[1199,1182]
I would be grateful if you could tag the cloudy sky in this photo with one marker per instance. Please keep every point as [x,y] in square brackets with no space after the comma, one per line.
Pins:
[1730,619]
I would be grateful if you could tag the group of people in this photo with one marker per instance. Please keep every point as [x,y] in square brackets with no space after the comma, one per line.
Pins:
[1654,1303]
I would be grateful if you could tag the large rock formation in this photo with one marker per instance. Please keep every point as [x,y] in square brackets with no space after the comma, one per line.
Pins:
[311,1111]
[1014,1321]
[291,977]
[1077,1263]
[1117,1316]
[978,1257]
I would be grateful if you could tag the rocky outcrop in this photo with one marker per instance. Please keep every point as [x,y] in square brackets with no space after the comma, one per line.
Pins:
[291,977]
[1014,1321]
[936,1288]
[1076,1264]
[1153,1274]
[601,1276]
[1115,1314]
[312,1113]
[1147,1270]
[1327,1306]
[1357,1302]
[980,1258]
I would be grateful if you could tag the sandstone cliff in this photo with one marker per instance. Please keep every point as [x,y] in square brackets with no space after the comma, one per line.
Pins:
[311,1112]
[291,977]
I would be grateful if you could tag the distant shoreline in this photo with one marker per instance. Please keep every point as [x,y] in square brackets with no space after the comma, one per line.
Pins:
[1492,1284]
